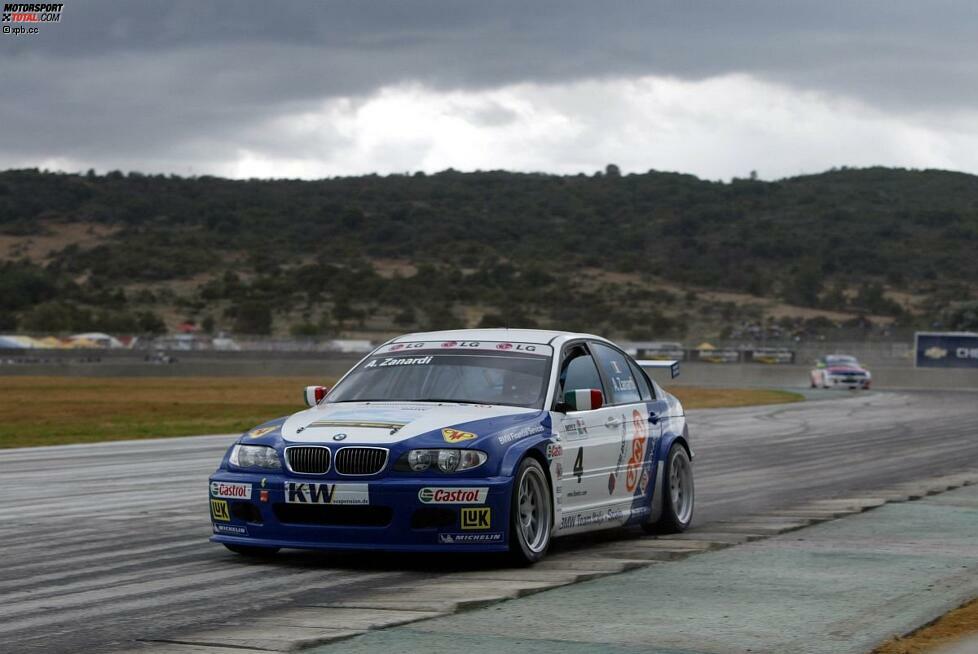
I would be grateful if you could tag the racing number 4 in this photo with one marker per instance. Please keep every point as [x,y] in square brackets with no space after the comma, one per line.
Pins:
[579,464]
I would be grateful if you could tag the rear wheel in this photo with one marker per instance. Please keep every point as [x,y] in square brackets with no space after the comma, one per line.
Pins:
[678,493]
[531,513]
[253,552]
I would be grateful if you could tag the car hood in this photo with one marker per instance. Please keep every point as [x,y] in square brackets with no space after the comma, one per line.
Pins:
[385,422]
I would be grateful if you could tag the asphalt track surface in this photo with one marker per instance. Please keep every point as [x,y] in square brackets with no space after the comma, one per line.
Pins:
[106,544]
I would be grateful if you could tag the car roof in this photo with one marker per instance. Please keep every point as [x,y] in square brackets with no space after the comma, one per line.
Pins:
[538,336]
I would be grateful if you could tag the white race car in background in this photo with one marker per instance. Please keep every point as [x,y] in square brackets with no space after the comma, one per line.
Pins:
[835,370]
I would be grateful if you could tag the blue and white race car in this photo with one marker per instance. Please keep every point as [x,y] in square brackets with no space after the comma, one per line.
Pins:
[490,440]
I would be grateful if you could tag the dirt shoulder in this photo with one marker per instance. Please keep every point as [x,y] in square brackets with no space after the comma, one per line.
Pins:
[947,631]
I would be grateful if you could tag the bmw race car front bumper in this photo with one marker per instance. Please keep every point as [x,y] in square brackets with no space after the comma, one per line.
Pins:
[849,381]
[394,517]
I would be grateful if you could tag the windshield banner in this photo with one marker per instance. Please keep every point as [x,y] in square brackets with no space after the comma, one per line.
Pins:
[468,346]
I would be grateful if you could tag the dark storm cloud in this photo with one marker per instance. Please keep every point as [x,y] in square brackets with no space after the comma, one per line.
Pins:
[173,81]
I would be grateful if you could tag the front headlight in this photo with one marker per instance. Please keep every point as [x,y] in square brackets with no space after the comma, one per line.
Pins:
[443,460]
[255,456]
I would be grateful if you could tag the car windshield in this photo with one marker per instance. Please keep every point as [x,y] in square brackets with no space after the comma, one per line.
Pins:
[505,378]
[841,360]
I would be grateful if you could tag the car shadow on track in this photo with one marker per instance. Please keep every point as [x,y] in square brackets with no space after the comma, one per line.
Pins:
[431,562]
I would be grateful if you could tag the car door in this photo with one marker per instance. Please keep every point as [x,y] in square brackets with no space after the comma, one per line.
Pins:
[590,442]
[639,418]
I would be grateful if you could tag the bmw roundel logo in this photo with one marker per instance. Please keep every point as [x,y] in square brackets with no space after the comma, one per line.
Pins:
[339,437]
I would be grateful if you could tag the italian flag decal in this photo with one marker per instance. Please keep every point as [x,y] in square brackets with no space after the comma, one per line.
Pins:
[583,400]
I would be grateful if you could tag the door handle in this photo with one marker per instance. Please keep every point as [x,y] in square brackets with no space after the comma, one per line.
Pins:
[612,423]
[654,419]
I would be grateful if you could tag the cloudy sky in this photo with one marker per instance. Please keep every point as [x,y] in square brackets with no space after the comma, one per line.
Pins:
[321,88]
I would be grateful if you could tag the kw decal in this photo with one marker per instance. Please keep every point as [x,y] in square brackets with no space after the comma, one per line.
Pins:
[310,493]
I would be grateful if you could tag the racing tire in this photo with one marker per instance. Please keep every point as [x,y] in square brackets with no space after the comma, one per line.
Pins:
[678,493]
[253,552]
[531,513]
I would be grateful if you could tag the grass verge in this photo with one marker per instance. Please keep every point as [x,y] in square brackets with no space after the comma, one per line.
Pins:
[694,397]
[59,410]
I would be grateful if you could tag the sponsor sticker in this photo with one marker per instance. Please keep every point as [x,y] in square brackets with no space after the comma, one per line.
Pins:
[219,510]
[456,435]
[554,451]
[640,435]
[470,539]
[261,431]
[575,429]
[312,493]
[233,530]
[537,349]
[230,491]
[479,518]
[519,434]
[388,362]
[453,495]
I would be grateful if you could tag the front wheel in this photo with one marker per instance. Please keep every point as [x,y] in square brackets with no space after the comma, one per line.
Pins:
[253,552]
[678,493]
[531,513]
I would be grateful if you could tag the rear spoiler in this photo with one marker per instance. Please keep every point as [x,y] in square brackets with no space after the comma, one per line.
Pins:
[673,366]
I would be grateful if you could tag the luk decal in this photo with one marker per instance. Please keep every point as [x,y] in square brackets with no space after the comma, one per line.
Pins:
[388,362]
[453,495]
[470,539]
[456,435]
[643,485]
[476,518]
[230,491]
[261,431]
[311,493]
[640,434]
[519,434]
[219,511]
[233,530]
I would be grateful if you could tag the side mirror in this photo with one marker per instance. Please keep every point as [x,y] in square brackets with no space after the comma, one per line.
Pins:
[585,399]
[313,395]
